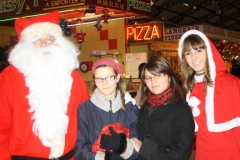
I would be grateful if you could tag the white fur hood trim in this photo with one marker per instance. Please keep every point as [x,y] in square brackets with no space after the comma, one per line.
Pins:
[216,65]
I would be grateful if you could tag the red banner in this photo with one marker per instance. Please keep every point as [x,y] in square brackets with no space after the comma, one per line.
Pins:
[18,8]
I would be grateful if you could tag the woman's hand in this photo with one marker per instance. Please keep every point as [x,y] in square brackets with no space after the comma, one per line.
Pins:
[136,143]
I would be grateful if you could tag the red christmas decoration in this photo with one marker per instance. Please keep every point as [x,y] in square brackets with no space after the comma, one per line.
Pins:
[105,17]
[80,36]
[98,25]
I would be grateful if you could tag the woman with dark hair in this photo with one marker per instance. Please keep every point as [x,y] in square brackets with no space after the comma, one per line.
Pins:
[214,97]
[108,120]
[166,125]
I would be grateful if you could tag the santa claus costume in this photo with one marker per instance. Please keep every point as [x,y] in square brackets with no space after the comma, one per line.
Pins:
[40,92]
[216,109]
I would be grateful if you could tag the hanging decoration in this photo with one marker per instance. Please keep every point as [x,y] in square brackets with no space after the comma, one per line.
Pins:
[105,17]
[68,31]
[80,36]
[63,23]
[98,25]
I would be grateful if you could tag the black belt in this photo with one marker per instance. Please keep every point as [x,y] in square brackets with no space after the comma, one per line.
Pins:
[67,156]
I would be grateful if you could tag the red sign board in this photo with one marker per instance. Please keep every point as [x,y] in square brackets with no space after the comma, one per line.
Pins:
[145,33]
[16,8]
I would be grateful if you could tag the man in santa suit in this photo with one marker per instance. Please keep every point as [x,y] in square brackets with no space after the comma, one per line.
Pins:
[40,92]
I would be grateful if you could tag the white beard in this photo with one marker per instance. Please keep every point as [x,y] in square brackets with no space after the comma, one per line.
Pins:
[47,74]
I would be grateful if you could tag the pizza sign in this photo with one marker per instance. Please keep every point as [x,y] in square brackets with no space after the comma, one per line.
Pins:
[144,32]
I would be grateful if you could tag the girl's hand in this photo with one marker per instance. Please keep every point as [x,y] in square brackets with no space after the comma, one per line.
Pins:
[136,143]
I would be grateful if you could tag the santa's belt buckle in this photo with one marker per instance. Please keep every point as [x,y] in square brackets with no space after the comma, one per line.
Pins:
[54,158]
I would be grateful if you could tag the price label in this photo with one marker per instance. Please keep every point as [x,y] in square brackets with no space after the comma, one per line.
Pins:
[111,3]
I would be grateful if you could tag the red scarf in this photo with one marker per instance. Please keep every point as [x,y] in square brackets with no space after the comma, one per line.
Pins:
[158,99]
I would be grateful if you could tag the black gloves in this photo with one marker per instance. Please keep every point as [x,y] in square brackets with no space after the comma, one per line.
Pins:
[112,156]
[116,142]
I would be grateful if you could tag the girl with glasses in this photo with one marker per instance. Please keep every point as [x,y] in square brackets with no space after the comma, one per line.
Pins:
[166,125]
[108,120]
[214,97]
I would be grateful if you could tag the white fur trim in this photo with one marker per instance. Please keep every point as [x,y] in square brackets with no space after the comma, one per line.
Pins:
[100,156]
[188,96]
[196,126]
[199,78]
[57,150]
[194,102]
[37,29]
[212,126]
[128,152]
[209,50]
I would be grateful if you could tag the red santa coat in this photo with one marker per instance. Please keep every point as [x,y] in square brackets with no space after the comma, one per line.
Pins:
[16,135]
[217,110]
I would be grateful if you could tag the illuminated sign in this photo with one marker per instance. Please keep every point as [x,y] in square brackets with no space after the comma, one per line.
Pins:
[136,6]
[145,32]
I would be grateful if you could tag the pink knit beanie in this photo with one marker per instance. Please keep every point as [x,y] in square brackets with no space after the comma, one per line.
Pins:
[109,62]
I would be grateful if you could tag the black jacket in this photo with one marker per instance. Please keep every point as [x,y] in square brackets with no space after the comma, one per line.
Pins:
[166,132]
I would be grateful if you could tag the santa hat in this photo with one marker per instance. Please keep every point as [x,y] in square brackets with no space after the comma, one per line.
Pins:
[28,28]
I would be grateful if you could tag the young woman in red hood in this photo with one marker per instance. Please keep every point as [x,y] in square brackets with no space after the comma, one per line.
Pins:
[214,97]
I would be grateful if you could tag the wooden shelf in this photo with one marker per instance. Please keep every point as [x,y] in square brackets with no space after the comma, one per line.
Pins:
[105,55]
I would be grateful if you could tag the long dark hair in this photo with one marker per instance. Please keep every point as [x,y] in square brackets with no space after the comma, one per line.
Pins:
[157,66]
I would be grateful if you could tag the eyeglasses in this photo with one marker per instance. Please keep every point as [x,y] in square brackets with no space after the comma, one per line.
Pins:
[108,78]
[48,40]
[155,77]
